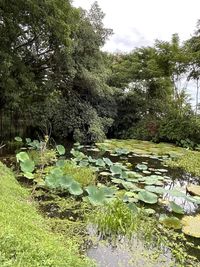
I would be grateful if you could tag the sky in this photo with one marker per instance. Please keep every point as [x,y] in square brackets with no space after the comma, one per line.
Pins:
[140,22]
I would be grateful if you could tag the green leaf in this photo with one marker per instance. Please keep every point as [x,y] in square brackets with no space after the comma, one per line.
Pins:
[29,175]
[60,149]
[133,207]
[65,181]
[28,140]
[22,156]
[176,208]
[60,163]
[108,161]
[100,163]
[155,189]
[97,198]
[116,169]
[147,197]
[75,189]
[27,166]
[52,181]
[141,167]
[18,139]
[170,222]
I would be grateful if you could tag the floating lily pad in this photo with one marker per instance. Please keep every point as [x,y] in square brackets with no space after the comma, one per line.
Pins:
[170,222]
[100,163]
[176,193]
[18,139]
[116,169]
[191,225]
[29,175]
[75,189]
[147,197]
[141,167]
[194,189]
[176,208]
[146,172]
[155,189]
[60,149]
[105,173]
[108,161]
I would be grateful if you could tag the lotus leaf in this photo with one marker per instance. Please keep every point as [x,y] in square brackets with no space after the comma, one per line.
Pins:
[56,172]
[141,167]
[108,161]
[60,149]
[105,173]
[28,140]
[75,189]
[29,175]
[133,207]
[147,197]
[60,163]
[176,193]
[155,189]
[191,225]
[65,181]
[176,208]
[194,189]
[27,166]
[18,139]
[116,169]
[117,181]
[22,156]
[100,163]
[96,196]
[170,222]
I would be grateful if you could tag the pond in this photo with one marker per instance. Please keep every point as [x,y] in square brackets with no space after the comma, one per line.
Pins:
[175,180]
[142,180]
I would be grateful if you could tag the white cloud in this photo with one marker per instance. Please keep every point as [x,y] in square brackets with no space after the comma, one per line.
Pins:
[140,22]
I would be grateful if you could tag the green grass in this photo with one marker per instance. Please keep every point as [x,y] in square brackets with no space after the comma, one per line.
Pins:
[25,238]
[190,162]
[84,175]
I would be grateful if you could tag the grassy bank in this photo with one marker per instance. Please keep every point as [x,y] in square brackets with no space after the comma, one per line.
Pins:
[25,239]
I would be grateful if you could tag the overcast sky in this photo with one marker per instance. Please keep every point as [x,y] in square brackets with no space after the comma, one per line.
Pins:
[140,22]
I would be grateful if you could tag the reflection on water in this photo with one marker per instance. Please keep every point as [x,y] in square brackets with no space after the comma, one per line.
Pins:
[127,253]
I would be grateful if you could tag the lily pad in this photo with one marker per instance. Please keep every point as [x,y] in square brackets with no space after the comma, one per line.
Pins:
[147,197]
[75,189]
[170,222]
[108,161]
[60,149]
[18,139]
[141,167]
[27,166]
[155,189]
[194,189]
[22,156]
[191,225]
[116,169]
[176,208]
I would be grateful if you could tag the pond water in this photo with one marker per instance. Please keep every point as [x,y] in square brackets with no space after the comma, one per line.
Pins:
[135,253]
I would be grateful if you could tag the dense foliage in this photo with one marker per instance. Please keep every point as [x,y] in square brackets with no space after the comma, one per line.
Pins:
[53,72]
